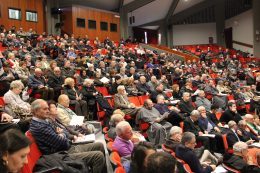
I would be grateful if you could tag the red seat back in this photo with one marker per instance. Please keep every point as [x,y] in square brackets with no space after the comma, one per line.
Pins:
[103,91]
[135,101]
[115,159]
[33,156]
[143,98]
[2,102]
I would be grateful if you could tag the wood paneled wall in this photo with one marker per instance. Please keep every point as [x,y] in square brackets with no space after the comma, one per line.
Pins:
[23,5]
[90,14]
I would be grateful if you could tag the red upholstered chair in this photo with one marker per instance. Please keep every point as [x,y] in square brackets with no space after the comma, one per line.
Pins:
[143,126]
[108,139]
[110,147]
[182,126]
[105,130]
[224,137]
[115,159]
[135,101]
[2,102]
[218,115]
[143,98]
[120,169]
[103,91]
[33,156]
[168,150]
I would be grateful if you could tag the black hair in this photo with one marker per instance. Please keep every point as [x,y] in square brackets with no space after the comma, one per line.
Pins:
[12,141]
[138,156]
[161,162]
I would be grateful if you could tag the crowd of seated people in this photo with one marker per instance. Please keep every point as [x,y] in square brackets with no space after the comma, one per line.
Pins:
[204,99]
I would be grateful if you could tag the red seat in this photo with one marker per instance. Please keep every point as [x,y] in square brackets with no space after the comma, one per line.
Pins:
[182,126]
[105,130]
[143,126]
[33,156]
[135,101]
[110,147]
[2,102]
[218,115]
[224,137]
[120,169]
[168,150]
[108,139]
[115,159]
[103,91]
[143,98]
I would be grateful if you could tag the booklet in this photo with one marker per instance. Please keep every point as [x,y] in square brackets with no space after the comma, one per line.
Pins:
[85,139]
[76,121]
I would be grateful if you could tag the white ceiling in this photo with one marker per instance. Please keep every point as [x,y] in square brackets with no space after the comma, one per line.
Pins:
[184,4]
[151,12]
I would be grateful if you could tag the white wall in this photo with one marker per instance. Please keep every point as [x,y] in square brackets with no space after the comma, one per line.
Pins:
[242,30]
[194,33]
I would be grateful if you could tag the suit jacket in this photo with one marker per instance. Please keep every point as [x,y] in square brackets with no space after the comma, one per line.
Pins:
[55,82]
[228,115]
[191,159]
[34,82]
[190,126]
[121,101]
[239,164]
[233,137]
[203,123]
[186,107]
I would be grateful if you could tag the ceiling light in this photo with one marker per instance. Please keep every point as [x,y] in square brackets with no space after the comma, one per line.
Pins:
[116,16]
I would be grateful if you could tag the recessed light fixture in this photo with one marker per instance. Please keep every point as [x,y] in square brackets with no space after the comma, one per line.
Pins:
[116,16]
[186,0]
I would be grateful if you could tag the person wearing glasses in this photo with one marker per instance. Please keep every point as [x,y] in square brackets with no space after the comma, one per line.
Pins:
[186,153]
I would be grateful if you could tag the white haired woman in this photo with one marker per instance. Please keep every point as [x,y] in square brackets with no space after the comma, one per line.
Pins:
[13,101]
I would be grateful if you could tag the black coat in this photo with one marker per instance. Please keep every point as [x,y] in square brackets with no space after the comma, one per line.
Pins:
[71,93]
[55,82]
[193,127]
[228,115]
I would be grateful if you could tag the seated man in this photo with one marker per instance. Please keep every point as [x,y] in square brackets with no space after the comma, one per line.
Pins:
[186,153]
[38,84]
[201,100]
[251,123]
[142,86]
[159,127]
[65,114]
[211,128]
[158,90]
[247,135]
[123,143]
[230,114]
[235,135]
[161,162]
[174,140]
[172,113]
[237,159]
[49,141]
[191,125]
[56,81]
[6,122]
[115,119]
[122,102]
[185,105]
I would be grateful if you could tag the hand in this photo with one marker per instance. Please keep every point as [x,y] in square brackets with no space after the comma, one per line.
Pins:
[75,138]
[40,86]
[157,120]
[217,129]
[200,133]
[59,130]
[213,167]
[6,118]
[239,133]
[80,135]
[250,141]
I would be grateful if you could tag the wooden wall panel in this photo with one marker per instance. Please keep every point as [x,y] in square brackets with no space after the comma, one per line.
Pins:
[31,5]
[97,15]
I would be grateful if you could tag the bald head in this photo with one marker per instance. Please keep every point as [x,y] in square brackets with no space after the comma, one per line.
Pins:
[64,100]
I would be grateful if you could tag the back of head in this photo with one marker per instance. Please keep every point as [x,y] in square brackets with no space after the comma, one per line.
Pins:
[161,162]
[139,154]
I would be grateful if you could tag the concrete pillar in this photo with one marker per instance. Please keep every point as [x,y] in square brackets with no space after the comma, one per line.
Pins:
[220,21]
[169,36]
[256,27]
[51,19]
[124,23]
[163,31]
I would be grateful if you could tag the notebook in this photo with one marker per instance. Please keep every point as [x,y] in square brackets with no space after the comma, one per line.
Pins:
[77,120]
[86,139]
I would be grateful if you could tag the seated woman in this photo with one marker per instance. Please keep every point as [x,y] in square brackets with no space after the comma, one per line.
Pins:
[15,106]
[131,87]
[174,140]
[176,92]
[89,94]
[122,102]
[75,96]
[14,149]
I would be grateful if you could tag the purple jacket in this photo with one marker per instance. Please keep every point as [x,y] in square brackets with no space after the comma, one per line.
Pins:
[123,147]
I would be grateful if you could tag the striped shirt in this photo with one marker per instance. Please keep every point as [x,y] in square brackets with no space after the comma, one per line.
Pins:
[46,137]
